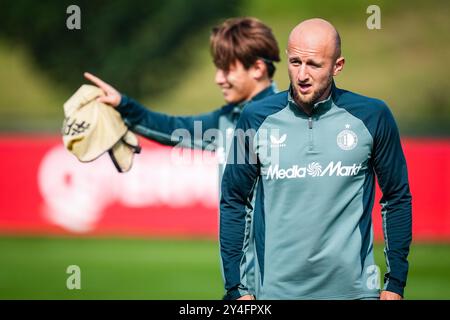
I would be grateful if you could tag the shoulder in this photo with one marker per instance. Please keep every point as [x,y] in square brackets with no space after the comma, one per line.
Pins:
[268,104]
[358,102]
[256,112]
[375,113]
[226,109]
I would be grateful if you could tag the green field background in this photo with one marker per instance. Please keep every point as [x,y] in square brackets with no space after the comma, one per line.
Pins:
[405,63]
[157,269]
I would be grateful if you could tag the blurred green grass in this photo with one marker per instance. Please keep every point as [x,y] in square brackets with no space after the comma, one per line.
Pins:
[35,268]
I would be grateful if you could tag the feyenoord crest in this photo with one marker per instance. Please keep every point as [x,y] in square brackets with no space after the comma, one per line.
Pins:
[347,139]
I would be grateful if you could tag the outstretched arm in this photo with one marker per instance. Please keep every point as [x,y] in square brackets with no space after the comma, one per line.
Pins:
[186,131]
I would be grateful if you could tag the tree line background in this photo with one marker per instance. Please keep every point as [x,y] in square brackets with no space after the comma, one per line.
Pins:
[157,51]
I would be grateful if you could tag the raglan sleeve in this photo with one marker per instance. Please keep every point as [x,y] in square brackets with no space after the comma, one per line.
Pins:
[239,179]
[396,202]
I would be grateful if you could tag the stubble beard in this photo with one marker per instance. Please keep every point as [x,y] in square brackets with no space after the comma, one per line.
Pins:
[310,102]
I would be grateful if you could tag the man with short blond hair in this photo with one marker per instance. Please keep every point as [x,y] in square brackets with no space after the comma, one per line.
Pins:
[313,189]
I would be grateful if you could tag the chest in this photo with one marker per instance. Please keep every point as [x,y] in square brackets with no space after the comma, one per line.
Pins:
[334,144]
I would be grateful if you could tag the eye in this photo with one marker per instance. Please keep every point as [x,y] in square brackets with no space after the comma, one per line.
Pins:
[295,62]
[314,65]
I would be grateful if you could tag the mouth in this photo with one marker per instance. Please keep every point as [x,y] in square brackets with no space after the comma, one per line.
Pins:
[224,89]
[304,87]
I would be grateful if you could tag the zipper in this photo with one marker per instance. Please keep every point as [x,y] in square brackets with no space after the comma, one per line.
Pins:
[311,138]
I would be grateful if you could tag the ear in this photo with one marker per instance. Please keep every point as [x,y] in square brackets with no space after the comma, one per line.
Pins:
[258,70]
[338,66]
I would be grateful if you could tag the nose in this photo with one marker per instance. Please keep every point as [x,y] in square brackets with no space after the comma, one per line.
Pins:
[220,78]
[303,75]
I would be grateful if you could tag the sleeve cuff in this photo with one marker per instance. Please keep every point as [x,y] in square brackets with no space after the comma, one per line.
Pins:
[395,286]
[121,108]
[234,294]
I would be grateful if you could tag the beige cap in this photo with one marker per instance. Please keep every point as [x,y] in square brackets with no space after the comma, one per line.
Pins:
[91,128]
[122,152]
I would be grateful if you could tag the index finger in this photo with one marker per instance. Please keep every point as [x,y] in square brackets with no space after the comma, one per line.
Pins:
[98,82]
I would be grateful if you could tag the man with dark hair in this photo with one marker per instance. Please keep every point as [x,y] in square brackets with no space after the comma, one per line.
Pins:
[244,51]
[313,188]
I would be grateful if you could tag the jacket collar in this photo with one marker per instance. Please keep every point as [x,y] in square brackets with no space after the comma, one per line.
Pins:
[270,90]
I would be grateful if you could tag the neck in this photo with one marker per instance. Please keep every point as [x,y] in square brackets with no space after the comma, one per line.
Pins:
[260,86]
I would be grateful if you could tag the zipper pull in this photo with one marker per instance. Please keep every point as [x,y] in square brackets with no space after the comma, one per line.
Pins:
[310,122]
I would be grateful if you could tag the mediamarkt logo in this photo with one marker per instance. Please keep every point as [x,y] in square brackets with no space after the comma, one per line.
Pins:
[314,169]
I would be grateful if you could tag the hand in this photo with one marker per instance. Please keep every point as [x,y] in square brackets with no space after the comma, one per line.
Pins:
[246,297]
[388,295]
[112,97]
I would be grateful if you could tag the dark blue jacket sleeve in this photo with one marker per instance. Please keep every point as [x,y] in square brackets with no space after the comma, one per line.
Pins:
[390,168]
[186,131]
[240,177]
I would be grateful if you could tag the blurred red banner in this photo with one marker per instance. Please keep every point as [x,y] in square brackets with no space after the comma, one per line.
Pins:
[169,192]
